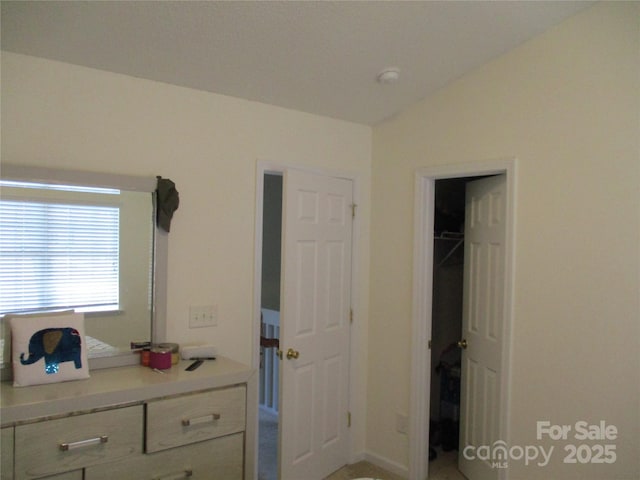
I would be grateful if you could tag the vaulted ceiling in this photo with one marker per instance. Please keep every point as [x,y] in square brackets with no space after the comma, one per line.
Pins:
[321,57]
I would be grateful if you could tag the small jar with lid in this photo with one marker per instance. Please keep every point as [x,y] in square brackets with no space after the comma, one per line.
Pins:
[160,358]
[175,351]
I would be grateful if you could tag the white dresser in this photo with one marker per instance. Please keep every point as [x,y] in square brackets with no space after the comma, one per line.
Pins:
[133,423]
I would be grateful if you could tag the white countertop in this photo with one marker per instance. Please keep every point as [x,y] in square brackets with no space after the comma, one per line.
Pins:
[115,386]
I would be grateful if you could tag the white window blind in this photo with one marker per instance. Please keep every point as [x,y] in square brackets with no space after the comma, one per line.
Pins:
[58,255]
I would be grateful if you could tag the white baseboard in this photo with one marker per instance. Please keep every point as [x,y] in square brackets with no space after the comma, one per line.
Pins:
[358,457]
[387,464]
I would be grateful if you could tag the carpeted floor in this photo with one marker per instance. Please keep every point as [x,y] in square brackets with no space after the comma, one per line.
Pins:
[363,470]
[445,466]
[268,445]
[442,468]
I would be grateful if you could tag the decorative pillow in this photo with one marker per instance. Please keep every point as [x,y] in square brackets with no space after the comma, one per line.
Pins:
[48,348]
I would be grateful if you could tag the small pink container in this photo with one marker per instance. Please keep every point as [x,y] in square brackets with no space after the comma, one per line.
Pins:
[160,358]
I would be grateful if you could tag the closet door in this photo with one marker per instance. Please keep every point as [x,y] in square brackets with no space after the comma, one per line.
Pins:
[482,321]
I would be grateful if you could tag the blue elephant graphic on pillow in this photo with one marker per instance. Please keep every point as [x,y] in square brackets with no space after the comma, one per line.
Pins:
[56,345]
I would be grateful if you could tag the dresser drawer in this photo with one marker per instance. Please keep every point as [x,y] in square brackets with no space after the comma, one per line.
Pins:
[70,443]
[193,418]
[6,454]
[219,459]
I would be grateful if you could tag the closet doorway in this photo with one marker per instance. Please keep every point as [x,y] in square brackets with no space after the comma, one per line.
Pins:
[462,316]
[269,373]
[467,294]
[446,330]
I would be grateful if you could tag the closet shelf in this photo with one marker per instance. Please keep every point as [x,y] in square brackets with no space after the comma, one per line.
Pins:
[449,236]
[454,236]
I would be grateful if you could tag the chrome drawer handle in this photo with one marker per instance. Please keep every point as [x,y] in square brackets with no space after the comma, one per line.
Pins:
[84,443]
[212,417]
[176,476]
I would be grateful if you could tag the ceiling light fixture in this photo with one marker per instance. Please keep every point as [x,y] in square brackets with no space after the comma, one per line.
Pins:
[389,75]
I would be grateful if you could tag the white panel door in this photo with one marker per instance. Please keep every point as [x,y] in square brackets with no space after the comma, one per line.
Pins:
[482,321]
[314,325]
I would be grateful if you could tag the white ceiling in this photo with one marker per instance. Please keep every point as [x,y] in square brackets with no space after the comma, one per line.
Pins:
[321,57]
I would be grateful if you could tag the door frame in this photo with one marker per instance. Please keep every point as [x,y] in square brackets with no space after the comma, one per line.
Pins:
[420,388]
[263,168]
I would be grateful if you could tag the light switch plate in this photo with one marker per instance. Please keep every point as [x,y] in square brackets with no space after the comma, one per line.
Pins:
[203,316]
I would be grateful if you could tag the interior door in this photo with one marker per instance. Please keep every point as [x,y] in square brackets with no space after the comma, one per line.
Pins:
[482,321]
[314,324]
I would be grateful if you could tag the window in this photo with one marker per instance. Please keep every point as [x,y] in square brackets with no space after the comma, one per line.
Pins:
[59,248]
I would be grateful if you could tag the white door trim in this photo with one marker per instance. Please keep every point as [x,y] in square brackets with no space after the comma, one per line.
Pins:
[419,401]
[267,167]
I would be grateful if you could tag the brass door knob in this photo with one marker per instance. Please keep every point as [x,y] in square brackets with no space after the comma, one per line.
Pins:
[462,343]
[291,353]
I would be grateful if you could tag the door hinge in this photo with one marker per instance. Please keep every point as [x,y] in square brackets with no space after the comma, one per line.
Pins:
[353,210]
[351,315]
[349,419]
[429,344]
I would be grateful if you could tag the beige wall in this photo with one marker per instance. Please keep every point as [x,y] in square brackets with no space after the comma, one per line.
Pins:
[60,115]
[566,104]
